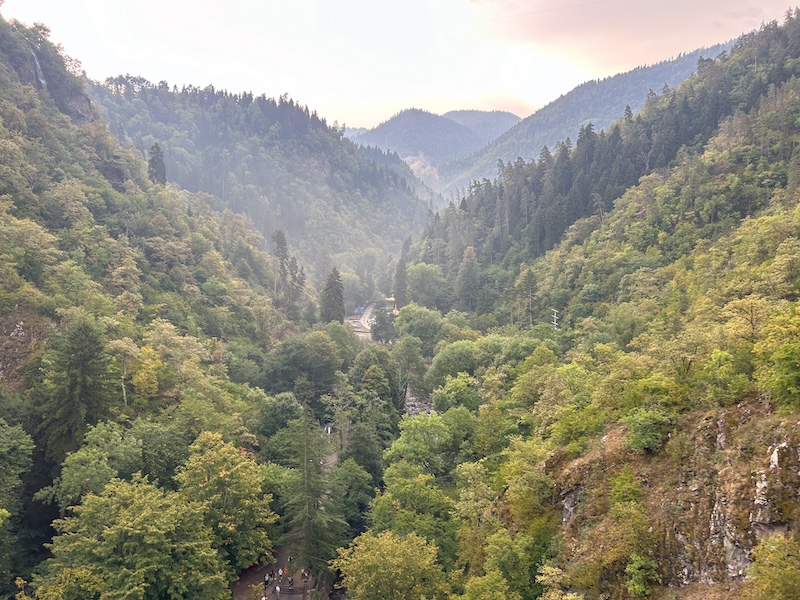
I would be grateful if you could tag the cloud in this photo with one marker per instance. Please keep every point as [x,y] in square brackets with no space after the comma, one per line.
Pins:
[608,35]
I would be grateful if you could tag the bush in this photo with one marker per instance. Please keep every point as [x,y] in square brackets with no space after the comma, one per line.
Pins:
[647,428]
[641,572]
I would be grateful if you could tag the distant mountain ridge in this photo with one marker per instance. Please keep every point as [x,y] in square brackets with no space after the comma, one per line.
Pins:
[488,125]
[416,132]
[599,102]
[426,140]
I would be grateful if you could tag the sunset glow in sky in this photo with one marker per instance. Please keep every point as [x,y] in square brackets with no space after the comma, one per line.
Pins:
[361,61]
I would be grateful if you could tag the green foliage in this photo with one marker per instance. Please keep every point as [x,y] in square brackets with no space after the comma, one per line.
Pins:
[625,487]
[77,389]
[271,159]
[676,297]
[410,366]
[312,515]
[421,323]
[775,572]
[455,358]
[517,559]
[468,280]
[16,449]
[400,284]
[460,390]
[108,451]
[647,428]
[230,488]
[388,565]
[599,102]
[353,485]
[412,502]
[156,170]
[433,442]
[491,586]
[783,379]
[134,538]
[641,572]
[331,302]
[427,286]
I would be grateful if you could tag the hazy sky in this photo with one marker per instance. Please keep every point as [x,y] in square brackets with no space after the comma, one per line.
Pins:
[361,61]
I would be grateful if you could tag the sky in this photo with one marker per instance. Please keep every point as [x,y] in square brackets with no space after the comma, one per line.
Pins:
[358,62]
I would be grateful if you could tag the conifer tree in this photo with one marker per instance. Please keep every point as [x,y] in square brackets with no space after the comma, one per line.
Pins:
[156,170]
[315,525]
[400,287]
[468,280]
[77,386]
[331,304]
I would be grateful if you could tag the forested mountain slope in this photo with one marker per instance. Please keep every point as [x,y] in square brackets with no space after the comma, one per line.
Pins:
[647,446]
[424,135]
[272,160]
[597,102]
[488,125]
[523,213]
[427,141]
[131,316]
[164,385]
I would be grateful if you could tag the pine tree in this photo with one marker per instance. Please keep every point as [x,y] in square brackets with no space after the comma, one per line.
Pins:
[315,525]
[468,280]
[282,256]
[331,302]
[77,387]
[156,170]
[400,287]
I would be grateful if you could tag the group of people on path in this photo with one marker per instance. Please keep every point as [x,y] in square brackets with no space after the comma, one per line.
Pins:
[272,576]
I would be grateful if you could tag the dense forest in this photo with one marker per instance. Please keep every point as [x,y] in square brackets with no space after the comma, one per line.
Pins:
[604,342]
[273,160]
[600,102]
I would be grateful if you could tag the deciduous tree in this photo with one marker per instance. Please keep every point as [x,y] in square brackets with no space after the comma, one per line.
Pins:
[135,541]
[386,565]
[230,487]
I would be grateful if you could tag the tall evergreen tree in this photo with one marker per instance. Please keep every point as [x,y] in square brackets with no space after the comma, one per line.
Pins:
[400,288]
[331,303]
[156,170]
[282,262]
[468,280]
[316,527]
[78,387]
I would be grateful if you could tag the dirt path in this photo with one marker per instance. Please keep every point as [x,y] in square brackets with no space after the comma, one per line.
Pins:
[250,585]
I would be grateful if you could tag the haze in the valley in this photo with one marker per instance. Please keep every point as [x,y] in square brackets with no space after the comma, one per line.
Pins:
[360,61]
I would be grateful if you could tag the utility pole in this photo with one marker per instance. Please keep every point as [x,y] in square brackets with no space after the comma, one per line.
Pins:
[555,318]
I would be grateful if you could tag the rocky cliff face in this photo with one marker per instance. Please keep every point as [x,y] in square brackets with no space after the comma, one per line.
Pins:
[21,334]
[39,65]
[727,479]
[741,485]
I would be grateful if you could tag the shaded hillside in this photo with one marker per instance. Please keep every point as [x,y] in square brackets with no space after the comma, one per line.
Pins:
[597,102]
[353,132]
[487,125]
[393,161]
[273,160]
[421,135]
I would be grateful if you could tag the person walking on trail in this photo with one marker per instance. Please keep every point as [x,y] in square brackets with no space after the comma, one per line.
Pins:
[278,591]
